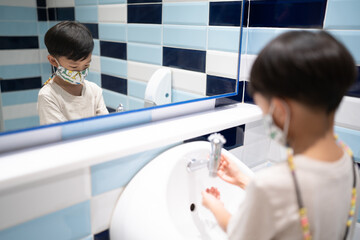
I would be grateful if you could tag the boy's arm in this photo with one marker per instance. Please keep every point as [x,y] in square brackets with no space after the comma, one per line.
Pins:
[101,107]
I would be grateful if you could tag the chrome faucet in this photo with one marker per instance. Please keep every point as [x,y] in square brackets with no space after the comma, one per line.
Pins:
[216,141]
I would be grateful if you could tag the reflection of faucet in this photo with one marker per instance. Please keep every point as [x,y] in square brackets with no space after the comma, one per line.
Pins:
[120,108]
[217,141]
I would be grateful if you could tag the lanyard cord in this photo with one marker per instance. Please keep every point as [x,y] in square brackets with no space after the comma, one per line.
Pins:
[302,210]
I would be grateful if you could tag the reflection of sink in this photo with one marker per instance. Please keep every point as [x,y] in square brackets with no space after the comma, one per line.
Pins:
[157,202]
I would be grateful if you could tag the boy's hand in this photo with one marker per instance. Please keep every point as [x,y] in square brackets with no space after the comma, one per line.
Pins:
[211,198]
[229,172]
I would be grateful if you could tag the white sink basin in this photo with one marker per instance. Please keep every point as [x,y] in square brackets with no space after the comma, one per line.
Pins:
[163,201]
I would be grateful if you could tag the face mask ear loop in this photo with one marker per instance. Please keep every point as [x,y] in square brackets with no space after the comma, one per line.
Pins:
[287,121]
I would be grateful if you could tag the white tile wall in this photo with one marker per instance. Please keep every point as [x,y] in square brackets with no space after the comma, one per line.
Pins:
[19,3]
[140,71]
[348,114]
[95,64]
[19,111]
[222,64]
[18,57]
[189,81]
[115,13]
[246,63]
[58,4]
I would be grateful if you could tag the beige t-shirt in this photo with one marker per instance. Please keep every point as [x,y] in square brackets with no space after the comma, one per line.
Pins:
[57,105]
[270,210]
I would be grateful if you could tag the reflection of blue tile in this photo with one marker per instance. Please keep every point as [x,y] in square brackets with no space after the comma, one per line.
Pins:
[114,84]
[20,84]
[18,28]
[351,40]
[94,29]
[185,37]
[135,103]
[88,14]
[113,99]
[43,27]
[342,14]
[113,49]
[144,33]
[136,88]
[351,138]
[85,2]
[19,97]
[144,53]
[94,77]
[111,1]
[69,223]
[19,71]
[247,97]
[193,60]
[225,13]
[21,123]
[144,1]
[112,32]
[354,90]
[219,85]
[181,96]
[224,39]
[65,14]
[114,67]
[42,14]
[144,13]
[96,50]
[18,13]
[186,13]
[102,235]
[7,43]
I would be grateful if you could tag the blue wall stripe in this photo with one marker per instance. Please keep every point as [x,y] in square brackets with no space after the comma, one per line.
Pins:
[113,66]
[115,84]
[112,32]
[117,173]
[19,71]
[135,103]
[87,14]
[43,27]
[113,49]
[219,85]
[351,40]
[18,29]
[185,37]
[20,84]
[18,13]
[16,42]
[342,14]
[85,2]
[136,88]
[69,223]
[226,13]
[144,13]
[94,77]
[224,39]
[94,29]
[180,96]
[21,123]
[19,97]
[113,99]
[144,33]
[186,13]
[193,60]
[96,50]
[144,53]
[46,69]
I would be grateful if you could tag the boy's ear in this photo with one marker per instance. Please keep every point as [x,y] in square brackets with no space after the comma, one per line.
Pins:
[52,60]
[281,111]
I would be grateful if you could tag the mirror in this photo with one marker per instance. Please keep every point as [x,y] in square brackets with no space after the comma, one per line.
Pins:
[197,41]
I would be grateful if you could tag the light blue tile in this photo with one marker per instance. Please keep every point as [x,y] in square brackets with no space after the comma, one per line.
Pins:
[185,37]
[19,71]
[46,69]
[144,53]
[18,13]
[19,97]
[42,42]
[85,2]
[136,88]
[186,13]
[113,99]
[18,28]
[88,14]
[181,96]
[144,33]
[21,123]
[113,66]
[342,14]
[111,1]
[135,103]
[112,32]
[90,237]
[351,39]
[43,27]
[104,123]
[96,50]
[69,223]
[224,39]
[117,173]
[350,138]
[94,77]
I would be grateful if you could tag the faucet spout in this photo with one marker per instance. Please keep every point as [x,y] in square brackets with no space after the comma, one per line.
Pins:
[217,141]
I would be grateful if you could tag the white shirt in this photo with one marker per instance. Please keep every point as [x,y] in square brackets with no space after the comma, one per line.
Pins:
[57,105]
[270,210]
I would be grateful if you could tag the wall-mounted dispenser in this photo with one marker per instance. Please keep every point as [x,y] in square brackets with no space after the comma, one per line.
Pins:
[158,89]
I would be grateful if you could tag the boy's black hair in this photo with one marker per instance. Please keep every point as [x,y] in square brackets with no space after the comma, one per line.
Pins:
[312,68]
[69,39]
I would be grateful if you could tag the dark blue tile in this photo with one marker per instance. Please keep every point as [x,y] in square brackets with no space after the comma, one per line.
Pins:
[110,110]
[19,42]
[51,14]
[219,85]
[233,99]
[193,60]
[41,3]
[42,14]
[115,84]
[247,96]
[102,236]
[113,49]
[144,1]
[354,90]
[145,13]
[63,14]
[286,13]
[94,29]
[225,13]
[20,84]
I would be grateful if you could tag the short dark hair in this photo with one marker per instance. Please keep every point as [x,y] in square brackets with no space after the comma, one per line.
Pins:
[69,39]
[312,68]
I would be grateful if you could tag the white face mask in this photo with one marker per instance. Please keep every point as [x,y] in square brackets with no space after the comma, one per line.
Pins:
[273,131]
[73,77]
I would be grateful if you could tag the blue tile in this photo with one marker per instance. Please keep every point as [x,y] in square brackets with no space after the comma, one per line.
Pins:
[224,39]
[85,2]
[96,50]
[112,32]
[42,14]
[113,49]
[51,14]
[144,33]
[41,3]
[101,124]
[19,97]
[135,103]
[113,99]
[144,13]
[342,14]
[185,37]
[88,14]
[104,235]
[94,29]
[46,69]
[354,90]
[181,96]
[111,1]
[114,67]
[19,71]
[219,85]
[351,138]
[7,43]
[114,83]
[290,14]
[144,53]
[18,13]
[117,173]
[144,1]
[20,84]
[225,13]
[42,42]
[193,60]
[69,223]
[21,123]
[351,40]
[233,99]
[94,77]
[186,13]
[136,89]
[247,96]
[18,29]
[65,14]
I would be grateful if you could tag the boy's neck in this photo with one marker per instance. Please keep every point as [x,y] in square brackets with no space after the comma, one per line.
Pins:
[72,89]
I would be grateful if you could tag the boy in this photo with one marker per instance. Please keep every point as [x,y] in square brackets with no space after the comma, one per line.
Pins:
[67,95]
[298,80]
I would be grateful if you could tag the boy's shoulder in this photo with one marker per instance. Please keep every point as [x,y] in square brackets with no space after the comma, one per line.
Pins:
[92,85]
[270,177]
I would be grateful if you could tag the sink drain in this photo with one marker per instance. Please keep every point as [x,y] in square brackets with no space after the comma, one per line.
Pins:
[192,207]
